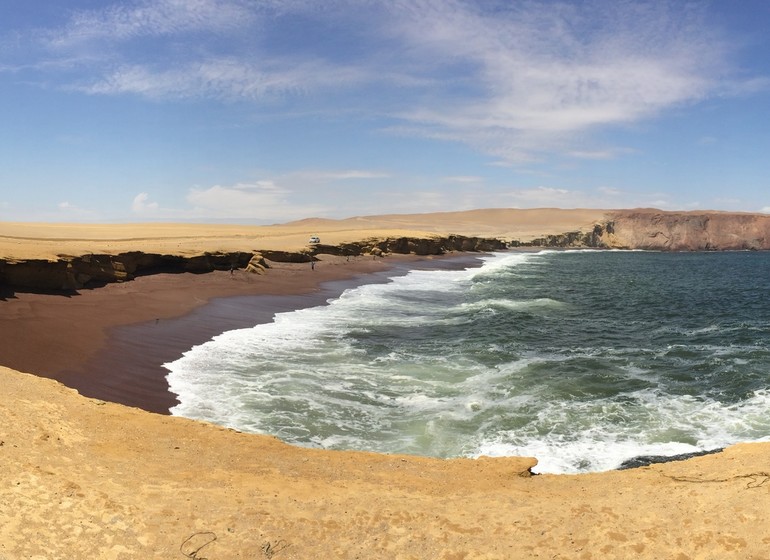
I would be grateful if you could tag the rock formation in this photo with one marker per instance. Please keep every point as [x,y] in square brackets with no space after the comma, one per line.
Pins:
[91,271]
[69,273]
[687,231]
[646,229]
[657,230]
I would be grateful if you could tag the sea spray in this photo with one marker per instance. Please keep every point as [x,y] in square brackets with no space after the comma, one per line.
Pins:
[581,359]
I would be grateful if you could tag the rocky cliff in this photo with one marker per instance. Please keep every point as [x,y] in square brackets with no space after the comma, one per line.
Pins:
[69,273]
[90,271]
[622,229]
[657,230]
[687,231]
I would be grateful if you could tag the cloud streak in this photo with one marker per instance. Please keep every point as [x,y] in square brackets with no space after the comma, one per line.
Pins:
[221,78]
[546,71]
[517,81]
[150,18]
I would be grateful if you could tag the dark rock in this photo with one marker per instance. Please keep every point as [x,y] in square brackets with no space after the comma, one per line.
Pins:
[646,460]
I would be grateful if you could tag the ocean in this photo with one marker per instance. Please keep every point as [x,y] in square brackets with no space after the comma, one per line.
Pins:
[582,359]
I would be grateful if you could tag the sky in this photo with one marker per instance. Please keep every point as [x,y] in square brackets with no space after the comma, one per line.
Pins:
[267,111]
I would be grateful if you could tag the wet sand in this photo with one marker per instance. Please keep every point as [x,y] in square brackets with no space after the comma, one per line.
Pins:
[110,343]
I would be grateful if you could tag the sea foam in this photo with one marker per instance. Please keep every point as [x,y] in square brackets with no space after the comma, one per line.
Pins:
[580,359]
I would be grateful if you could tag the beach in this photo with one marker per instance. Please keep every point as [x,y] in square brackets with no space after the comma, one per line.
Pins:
[90,477]
[110,343]
[66,336]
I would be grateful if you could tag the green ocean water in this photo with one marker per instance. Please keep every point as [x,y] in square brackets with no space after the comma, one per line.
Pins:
[580,358]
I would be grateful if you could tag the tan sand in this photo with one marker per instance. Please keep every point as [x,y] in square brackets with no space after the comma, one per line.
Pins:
[82,478]
[47,241]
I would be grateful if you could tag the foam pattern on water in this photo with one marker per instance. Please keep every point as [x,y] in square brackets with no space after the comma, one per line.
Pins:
[582,360]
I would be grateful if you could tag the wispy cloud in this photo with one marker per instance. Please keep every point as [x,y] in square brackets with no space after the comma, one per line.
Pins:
[607,153]
[464,179]
[517,81]
[291,196]
[315,176]
[150,18]
[219,78]
[257,201]
[544,71]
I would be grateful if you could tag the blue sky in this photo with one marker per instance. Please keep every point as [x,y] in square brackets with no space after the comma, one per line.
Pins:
[256,111]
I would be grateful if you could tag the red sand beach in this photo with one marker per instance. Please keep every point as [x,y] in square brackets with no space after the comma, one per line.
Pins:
[110,343]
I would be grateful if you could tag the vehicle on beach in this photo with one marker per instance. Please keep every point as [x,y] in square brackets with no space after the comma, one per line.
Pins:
[314,239]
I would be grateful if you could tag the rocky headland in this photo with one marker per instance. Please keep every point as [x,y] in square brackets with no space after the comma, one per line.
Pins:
[655,230]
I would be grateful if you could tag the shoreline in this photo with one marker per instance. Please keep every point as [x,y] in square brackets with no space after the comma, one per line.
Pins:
[88,478]
[110,343]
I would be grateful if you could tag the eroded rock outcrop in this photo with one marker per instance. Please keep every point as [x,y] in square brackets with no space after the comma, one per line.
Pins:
[69,273]
[688,231]
[595,238]
[667,231]
[90,271]
[623,229]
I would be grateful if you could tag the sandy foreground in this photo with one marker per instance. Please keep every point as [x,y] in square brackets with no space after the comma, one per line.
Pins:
[85,478]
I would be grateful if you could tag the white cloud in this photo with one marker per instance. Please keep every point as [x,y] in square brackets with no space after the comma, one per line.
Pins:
[464,179]
[543,196]
[274,199]
[515,80]
[222,78]
[69,211]
[140,204]
[610,191]
[544,71]
[261,200]
[72,209]
[608,153]
[315,176]
[707,140]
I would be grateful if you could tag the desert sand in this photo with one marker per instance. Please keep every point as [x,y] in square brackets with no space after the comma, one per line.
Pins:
[48,241]
[85,478]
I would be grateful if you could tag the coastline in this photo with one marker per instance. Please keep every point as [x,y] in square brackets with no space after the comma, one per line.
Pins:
[110,343]
[88,478]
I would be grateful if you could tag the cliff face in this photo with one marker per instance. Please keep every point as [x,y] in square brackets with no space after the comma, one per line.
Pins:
[625,229]
[668,231]
[90,271]
[686,231]
[70,273]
